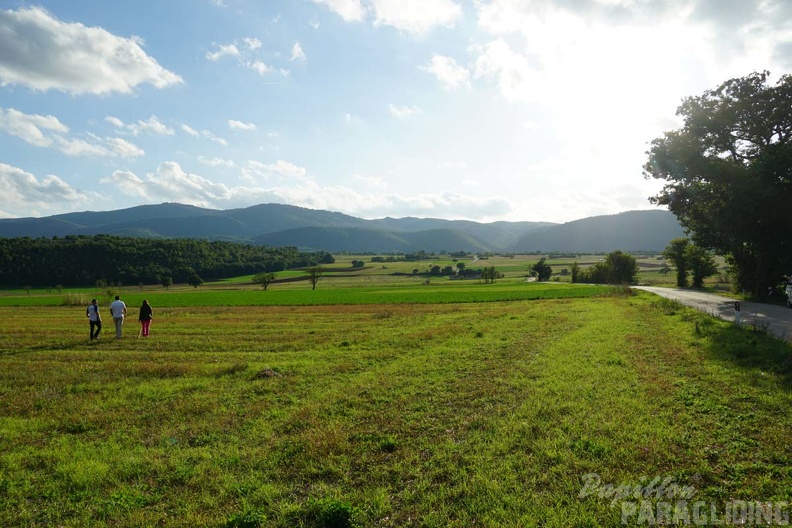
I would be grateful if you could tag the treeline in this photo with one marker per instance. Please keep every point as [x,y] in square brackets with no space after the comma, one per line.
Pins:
[84,260]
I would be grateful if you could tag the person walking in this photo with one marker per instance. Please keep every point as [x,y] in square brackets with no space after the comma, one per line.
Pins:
[145,317]
[94,319]
[119,310]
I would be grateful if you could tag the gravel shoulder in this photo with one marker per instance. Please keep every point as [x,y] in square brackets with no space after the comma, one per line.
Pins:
[778,319]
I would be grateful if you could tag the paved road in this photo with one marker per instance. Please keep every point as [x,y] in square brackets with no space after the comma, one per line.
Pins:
[777,318]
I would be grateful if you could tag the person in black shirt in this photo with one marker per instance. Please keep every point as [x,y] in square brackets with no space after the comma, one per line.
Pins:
[145,318]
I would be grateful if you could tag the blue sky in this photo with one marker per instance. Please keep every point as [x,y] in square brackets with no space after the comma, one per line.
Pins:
[484,110]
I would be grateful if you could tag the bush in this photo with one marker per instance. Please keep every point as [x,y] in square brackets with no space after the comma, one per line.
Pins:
[75,299]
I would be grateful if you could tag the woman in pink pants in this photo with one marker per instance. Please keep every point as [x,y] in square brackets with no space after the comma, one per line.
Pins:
[145,318]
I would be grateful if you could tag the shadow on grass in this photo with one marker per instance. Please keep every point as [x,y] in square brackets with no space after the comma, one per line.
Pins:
[748,347]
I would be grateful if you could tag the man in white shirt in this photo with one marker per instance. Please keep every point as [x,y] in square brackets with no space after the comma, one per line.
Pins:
[118,310]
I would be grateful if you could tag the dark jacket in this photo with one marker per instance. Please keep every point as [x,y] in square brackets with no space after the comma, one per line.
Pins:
[145,313]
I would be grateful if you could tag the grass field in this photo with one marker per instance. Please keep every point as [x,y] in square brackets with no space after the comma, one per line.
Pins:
[384,413]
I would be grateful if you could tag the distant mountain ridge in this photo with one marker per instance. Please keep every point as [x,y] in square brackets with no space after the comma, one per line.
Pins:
[311,229]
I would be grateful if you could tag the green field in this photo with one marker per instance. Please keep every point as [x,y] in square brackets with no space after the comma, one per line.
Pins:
[402,405]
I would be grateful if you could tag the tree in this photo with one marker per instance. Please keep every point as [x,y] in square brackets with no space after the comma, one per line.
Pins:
[167,282]
[675,252]
[314,274]
[575,271]
[728,174]
[622,268]
[460,267]
[195,280]
[617,267]
[701,264]
[489,274]
[264,279]
[542,269]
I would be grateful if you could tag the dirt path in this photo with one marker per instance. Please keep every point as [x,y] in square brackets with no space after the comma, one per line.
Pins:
[778,319]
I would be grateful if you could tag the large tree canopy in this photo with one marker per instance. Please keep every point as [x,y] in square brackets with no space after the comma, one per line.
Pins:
[729,175]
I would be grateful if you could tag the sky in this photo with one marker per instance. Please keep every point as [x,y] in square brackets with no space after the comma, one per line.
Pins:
[485,110]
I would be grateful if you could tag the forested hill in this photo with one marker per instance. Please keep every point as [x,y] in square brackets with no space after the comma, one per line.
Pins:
[287,224]
[629,231]
[310,229]
[83,260]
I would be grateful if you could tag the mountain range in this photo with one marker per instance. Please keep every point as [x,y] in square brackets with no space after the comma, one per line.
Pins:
[287,225]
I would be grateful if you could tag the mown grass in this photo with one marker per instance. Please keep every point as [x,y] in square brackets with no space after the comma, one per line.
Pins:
[486,414]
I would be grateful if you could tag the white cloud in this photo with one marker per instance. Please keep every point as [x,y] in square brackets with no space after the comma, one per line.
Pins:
[517,80]
[403,111]
[256,171]
[416,16]
[99,147]
[189,130]
[210,136]
[448,72]
[259,67]
[123,148]
[21,193]
[152,126]
[297,52]
[48,131]
[43,53]
[223,50]
[216,162]
[352,120]
[411,16]
[233,124]
[349,10]
[371,182]
[252,43]
[30,127]
[170,182]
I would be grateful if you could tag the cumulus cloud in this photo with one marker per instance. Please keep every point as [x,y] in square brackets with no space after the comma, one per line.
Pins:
[31,128]
[223,50]
[203,133]
[286,183]
[233,124]
[260,67]
[516,78]
[403,111]
[349,10]
[21,193]
[252,43]
[49,132]
[44,53]
[216,162]
[257,171]
[416,17]
[170,182]
[448,72]
[152,126]
[297,52]
[248,56]
[211,137]
[189,130]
